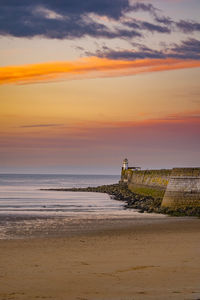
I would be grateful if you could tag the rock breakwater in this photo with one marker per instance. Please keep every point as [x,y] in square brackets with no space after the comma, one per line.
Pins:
[135,201]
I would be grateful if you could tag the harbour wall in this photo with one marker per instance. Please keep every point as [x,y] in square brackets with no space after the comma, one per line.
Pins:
[183,189]
[178,187]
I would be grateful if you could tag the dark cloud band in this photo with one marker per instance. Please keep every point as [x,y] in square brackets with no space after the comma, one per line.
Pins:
[60,19]
[188,49]
[68,19]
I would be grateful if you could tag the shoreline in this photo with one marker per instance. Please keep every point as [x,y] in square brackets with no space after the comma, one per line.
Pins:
[142,203]
[137,209]
[68,226]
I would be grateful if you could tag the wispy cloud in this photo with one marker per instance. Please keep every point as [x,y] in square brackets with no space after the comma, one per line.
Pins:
[91,67]
[40,125]
[188,26]
[188,49]
[144,25]
[172,127]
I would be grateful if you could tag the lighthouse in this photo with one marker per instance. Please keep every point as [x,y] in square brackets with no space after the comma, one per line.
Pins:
[125,164]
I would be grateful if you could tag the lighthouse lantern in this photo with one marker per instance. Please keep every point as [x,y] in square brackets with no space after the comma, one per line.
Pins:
[125,164]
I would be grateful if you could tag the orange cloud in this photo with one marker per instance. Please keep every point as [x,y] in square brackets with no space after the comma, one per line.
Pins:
[88,68]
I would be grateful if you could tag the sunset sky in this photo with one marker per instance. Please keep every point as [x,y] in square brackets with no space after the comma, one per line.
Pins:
[84,84]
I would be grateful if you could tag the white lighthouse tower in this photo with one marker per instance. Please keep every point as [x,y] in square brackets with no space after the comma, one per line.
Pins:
[125,164]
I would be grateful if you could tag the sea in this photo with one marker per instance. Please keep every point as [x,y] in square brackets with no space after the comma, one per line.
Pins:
[25,208]
[22,195]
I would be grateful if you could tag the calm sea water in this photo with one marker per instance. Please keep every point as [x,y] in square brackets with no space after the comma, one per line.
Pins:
[26,211]
[21,195]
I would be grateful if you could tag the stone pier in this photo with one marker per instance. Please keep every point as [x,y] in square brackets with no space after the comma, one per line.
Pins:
[183,189]
[178,187]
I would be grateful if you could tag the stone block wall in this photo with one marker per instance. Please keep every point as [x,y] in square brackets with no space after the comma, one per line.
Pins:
[151,178]
[183,189]
[147,182]
[179,187]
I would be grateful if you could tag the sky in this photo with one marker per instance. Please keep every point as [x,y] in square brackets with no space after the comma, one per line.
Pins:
[84,84]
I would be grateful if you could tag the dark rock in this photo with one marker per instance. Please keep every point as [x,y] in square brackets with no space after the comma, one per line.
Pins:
[135,201]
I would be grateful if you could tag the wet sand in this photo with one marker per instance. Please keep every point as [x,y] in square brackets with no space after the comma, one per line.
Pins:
[139,260]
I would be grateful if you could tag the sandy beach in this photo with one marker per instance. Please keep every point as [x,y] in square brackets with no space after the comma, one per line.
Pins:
[146,260]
